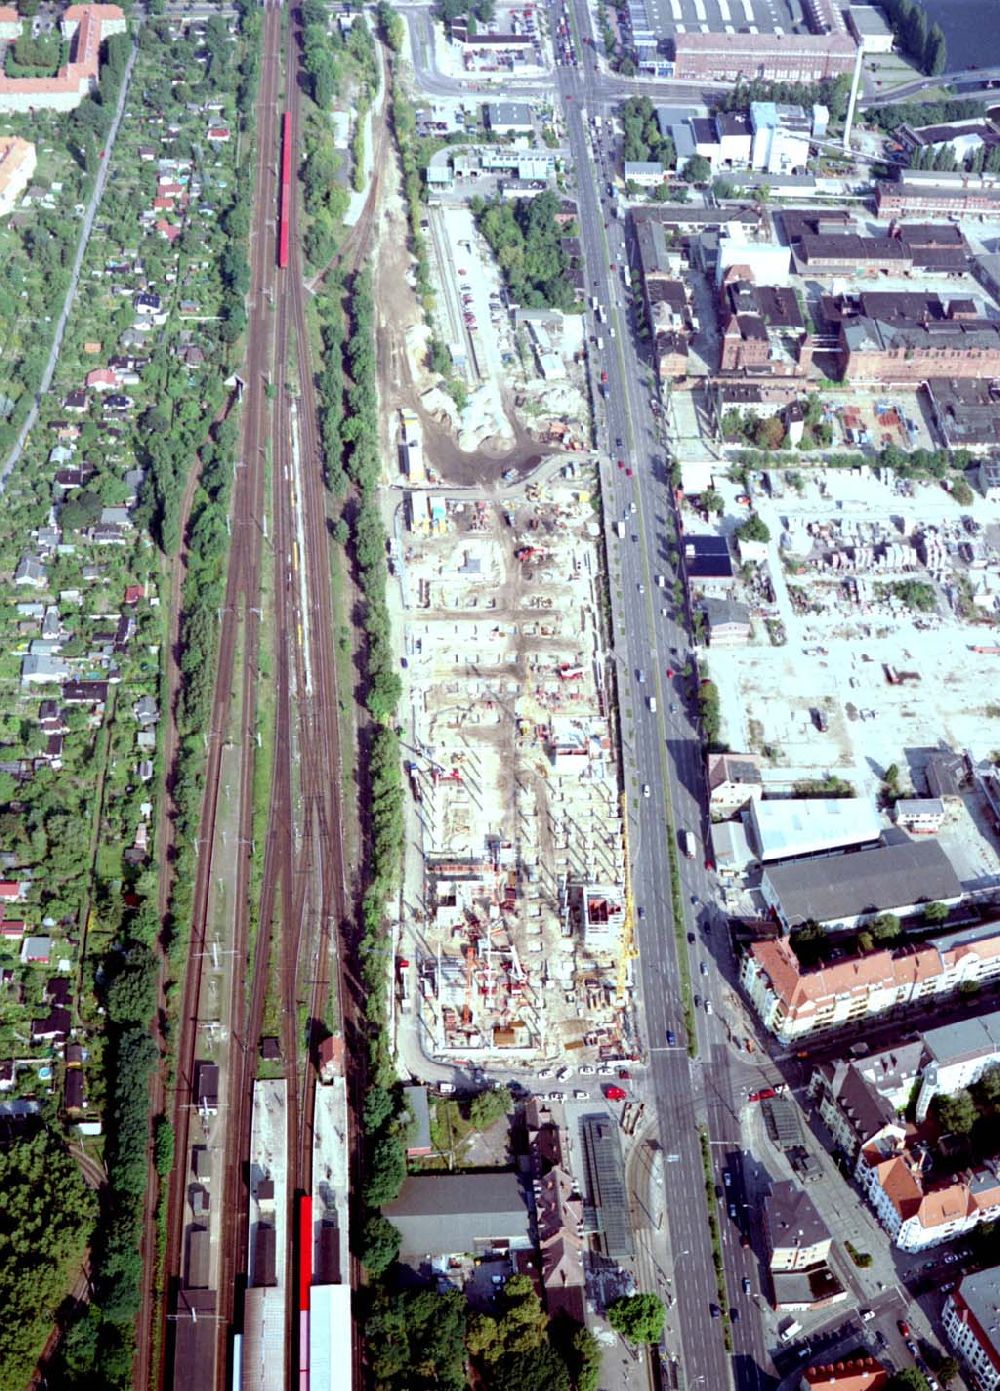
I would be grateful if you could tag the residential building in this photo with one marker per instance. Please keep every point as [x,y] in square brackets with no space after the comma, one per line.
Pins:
[921,816]
[85,28]
[796,1235]
[798,1246]
[17,168]
[780,137]
[917,1216]
[645,173]
[854,1374]
[957,1055]
[859,1100]
[785,828]
[451,1215]
[734,781]
[727,622]
[730,849]
[989,479]
[559,1212]
[841,891]
[972,1326]
[794,1002]
[775,57]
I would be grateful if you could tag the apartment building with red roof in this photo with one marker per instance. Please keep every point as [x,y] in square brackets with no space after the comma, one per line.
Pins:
[855,1374]
[916,1211]
[971,1318]
[85,27]
[794,1002]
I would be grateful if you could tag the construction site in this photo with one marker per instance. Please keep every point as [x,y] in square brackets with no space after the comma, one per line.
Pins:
[516,936]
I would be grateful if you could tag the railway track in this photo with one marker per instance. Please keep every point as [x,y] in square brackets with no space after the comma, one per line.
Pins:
[239,624]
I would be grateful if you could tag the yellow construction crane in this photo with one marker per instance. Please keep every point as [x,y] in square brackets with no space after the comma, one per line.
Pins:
[628,948]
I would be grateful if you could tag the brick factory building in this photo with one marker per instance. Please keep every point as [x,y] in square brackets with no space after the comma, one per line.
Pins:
[775,57]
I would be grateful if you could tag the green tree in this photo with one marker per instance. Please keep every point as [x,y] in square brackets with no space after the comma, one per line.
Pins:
[753,529]
[712,501]
[585,1360]
[935,52]
[957,1113]
[885,928]
[697,170]
[962,493]
[947,1371]
[639,1318]
[379,1244]
[489,1106]
[909,1379]
[935,912]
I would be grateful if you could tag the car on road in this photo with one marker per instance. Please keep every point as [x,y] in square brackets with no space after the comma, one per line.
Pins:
[642,587]
[671,1039]
[866,1315]
[580,1095]
[564,1073]
[670,673]
[621,463]
[734,1314]
[673,708]
[727,1179]
[624,1075]
[703,968]
[545,1072]
[618,442]
[911,1347]
[708,1006]
[746,1284]
[903,1327]
[732,1211]
[881,1339]
[615,1093]
[715,1311]
[764,1094]
[690,936]
[645,789]
[951,1258]
[628,473]
[587,1070]
[641,677]
[642,914]
[718,1190]
[557,1096]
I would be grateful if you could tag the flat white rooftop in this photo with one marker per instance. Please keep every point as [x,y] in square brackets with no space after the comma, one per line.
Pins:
[781,830]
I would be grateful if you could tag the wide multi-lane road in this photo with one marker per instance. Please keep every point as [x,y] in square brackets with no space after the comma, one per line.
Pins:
[662,754]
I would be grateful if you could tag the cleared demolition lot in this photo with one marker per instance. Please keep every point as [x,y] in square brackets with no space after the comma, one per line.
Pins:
[863,612]
[515,868]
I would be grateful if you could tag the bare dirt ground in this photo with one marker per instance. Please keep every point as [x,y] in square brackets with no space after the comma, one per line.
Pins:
[403,381]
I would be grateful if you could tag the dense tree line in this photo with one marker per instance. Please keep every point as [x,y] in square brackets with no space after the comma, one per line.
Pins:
[923,42]
[922,113]
[43,1217]
[524,236]
[831,92]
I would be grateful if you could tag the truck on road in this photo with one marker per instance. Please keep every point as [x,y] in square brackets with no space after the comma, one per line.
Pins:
[620,529]
[687,841]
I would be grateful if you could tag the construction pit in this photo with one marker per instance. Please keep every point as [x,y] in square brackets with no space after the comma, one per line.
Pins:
[515,943]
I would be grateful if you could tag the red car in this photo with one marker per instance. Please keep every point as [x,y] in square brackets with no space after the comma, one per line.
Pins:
[670,673]
[613,1093]
[624,1075]
[621,463]
[764,1094]
[628,473]
[903,1327]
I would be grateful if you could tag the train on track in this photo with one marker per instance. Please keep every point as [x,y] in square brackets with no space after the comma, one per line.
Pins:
[285,191]
[305,1283]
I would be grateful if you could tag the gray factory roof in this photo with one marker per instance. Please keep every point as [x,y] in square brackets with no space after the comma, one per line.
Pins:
[964,1039]
[451,1213]
[869,881]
